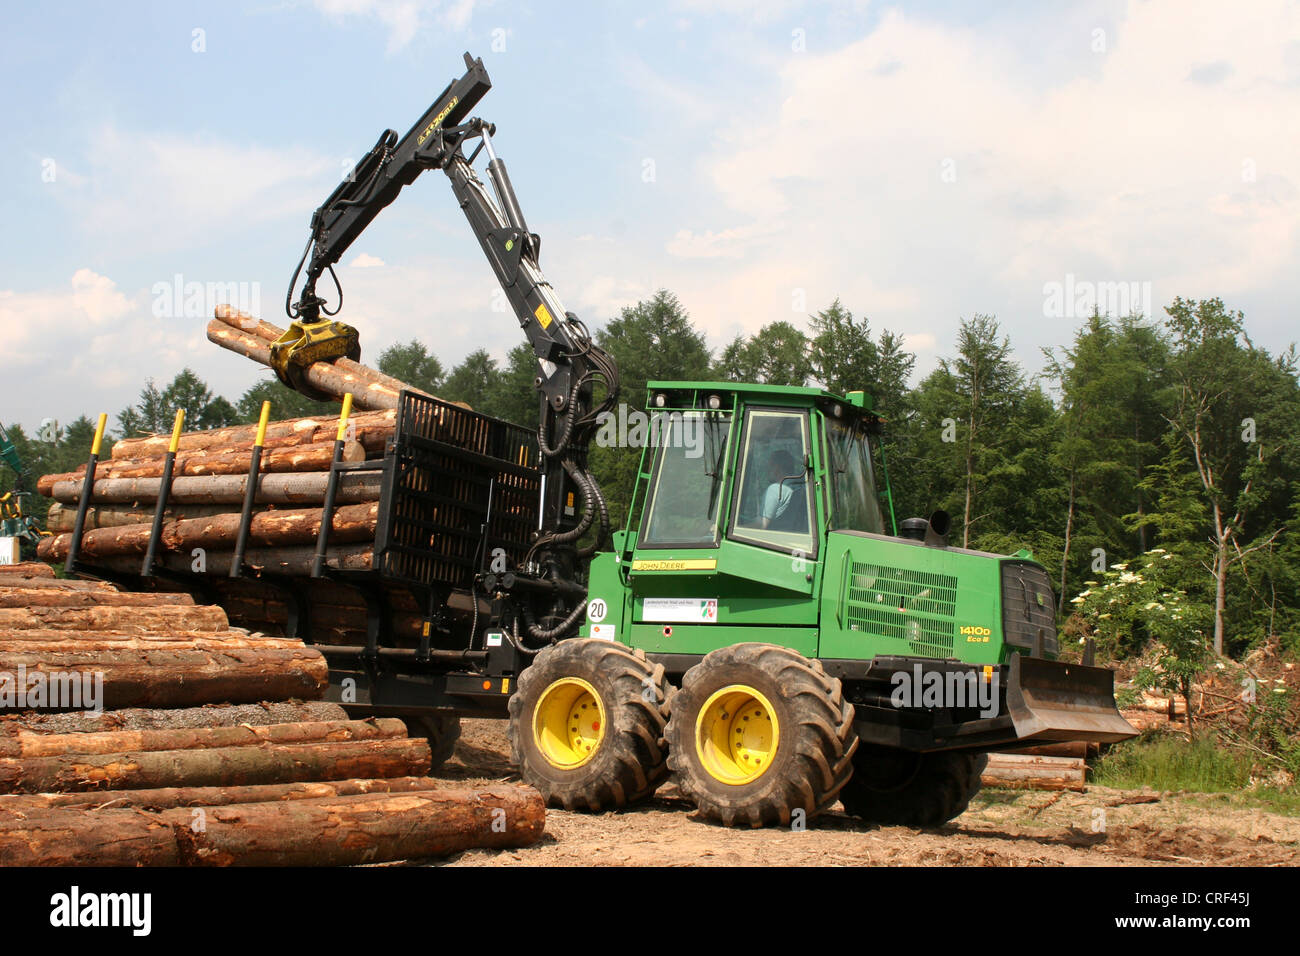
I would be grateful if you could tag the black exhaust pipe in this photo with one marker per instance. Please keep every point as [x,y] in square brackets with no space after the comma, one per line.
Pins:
[936,529]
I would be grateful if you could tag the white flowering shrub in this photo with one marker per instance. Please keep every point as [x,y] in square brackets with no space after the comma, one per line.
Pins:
[1142,606]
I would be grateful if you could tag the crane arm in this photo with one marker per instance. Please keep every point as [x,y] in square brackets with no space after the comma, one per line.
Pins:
[570,364]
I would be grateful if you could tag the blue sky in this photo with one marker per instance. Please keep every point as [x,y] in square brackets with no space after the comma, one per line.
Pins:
[922,161]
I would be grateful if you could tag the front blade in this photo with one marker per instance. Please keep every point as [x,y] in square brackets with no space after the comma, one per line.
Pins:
[1053,700]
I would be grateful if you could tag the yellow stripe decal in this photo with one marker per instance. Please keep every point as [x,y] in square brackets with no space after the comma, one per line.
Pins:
[176,431]
[692,564]
[343,416]
[261,425]
[99,433]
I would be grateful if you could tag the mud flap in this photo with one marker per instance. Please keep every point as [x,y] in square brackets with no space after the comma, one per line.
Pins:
[1056,701]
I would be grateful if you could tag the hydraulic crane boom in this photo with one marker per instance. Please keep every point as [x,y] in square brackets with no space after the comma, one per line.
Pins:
[545,594]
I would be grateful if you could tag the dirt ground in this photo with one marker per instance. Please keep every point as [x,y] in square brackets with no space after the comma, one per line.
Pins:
[1001,828]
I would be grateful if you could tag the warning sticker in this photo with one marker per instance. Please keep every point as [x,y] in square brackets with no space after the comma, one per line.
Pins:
[604,632]
[680,610]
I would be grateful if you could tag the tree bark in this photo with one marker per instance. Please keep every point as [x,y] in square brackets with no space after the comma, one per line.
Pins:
[25,743]
[281,488]
[186,677]
[84,642]
[329,831]
[351,523]
[139,718]
[25,569]
[294,561]
[17,805]
[25,597]
[216,767]
[1065,556]
[62,518]
[315,457]
[58,584]
[290,431]
[193,618]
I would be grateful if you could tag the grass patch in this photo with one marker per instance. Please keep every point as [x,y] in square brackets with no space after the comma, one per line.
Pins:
[1172,764]
[1283,802]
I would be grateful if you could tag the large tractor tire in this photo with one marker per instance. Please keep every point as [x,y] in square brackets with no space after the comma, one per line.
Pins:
[587,725]
[898,788]
[758,732]
[441,733]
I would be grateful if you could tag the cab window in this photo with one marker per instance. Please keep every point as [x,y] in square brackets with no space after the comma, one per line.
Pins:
[774,504]
[686,483]
[854,503]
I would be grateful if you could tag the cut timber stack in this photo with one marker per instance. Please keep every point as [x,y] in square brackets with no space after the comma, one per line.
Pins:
[1031,771]
[201,520]
[118,649]
[203,512]
[241,770]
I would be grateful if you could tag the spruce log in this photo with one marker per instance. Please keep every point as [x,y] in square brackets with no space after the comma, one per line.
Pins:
[76,838]
[314,457]
[267,529]
[282,488]
[217,766]
[143,718]
[295,561]
[323,831]
[323,427]
[88,597]
[13,805]
[62,518]
[25,743]
[58,584]
[186,677]
[70,642]
[1026,771]
[193,618]
[25,569]
[335,379]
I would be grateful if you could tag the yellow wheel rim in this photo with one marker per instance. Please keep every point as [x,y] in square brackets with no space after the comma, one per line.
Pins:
[736,734]
[569,723]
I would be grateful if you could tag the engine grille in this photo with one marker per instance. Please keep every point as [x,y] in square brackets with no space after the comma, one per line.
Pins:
[916,606]
[1028,607]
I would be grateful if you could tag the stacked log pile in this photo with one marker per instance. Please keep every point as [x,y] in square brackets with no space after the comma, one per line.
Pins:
[125,649]
[203,512]
[207,491]
[1046,767]
[211,747]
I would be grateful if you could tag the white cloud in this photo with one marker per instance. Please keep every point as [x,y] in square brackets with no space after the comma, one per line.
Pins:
[88,347]
[97,297]
[728,243]
[161,193]
[919,341]
[921,176]
[402,18]
[365,261]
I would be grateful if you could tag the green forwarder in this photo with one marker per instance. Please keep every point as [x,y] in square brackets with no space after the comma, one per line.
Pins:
[760,574]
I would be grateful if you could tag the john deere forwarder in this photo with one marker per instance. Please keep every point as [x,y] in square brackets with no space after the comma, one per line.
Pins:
[759,628]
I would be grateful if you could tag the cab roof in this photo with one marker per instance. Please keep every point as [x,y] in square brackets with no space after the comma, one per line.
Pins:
[751,391]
